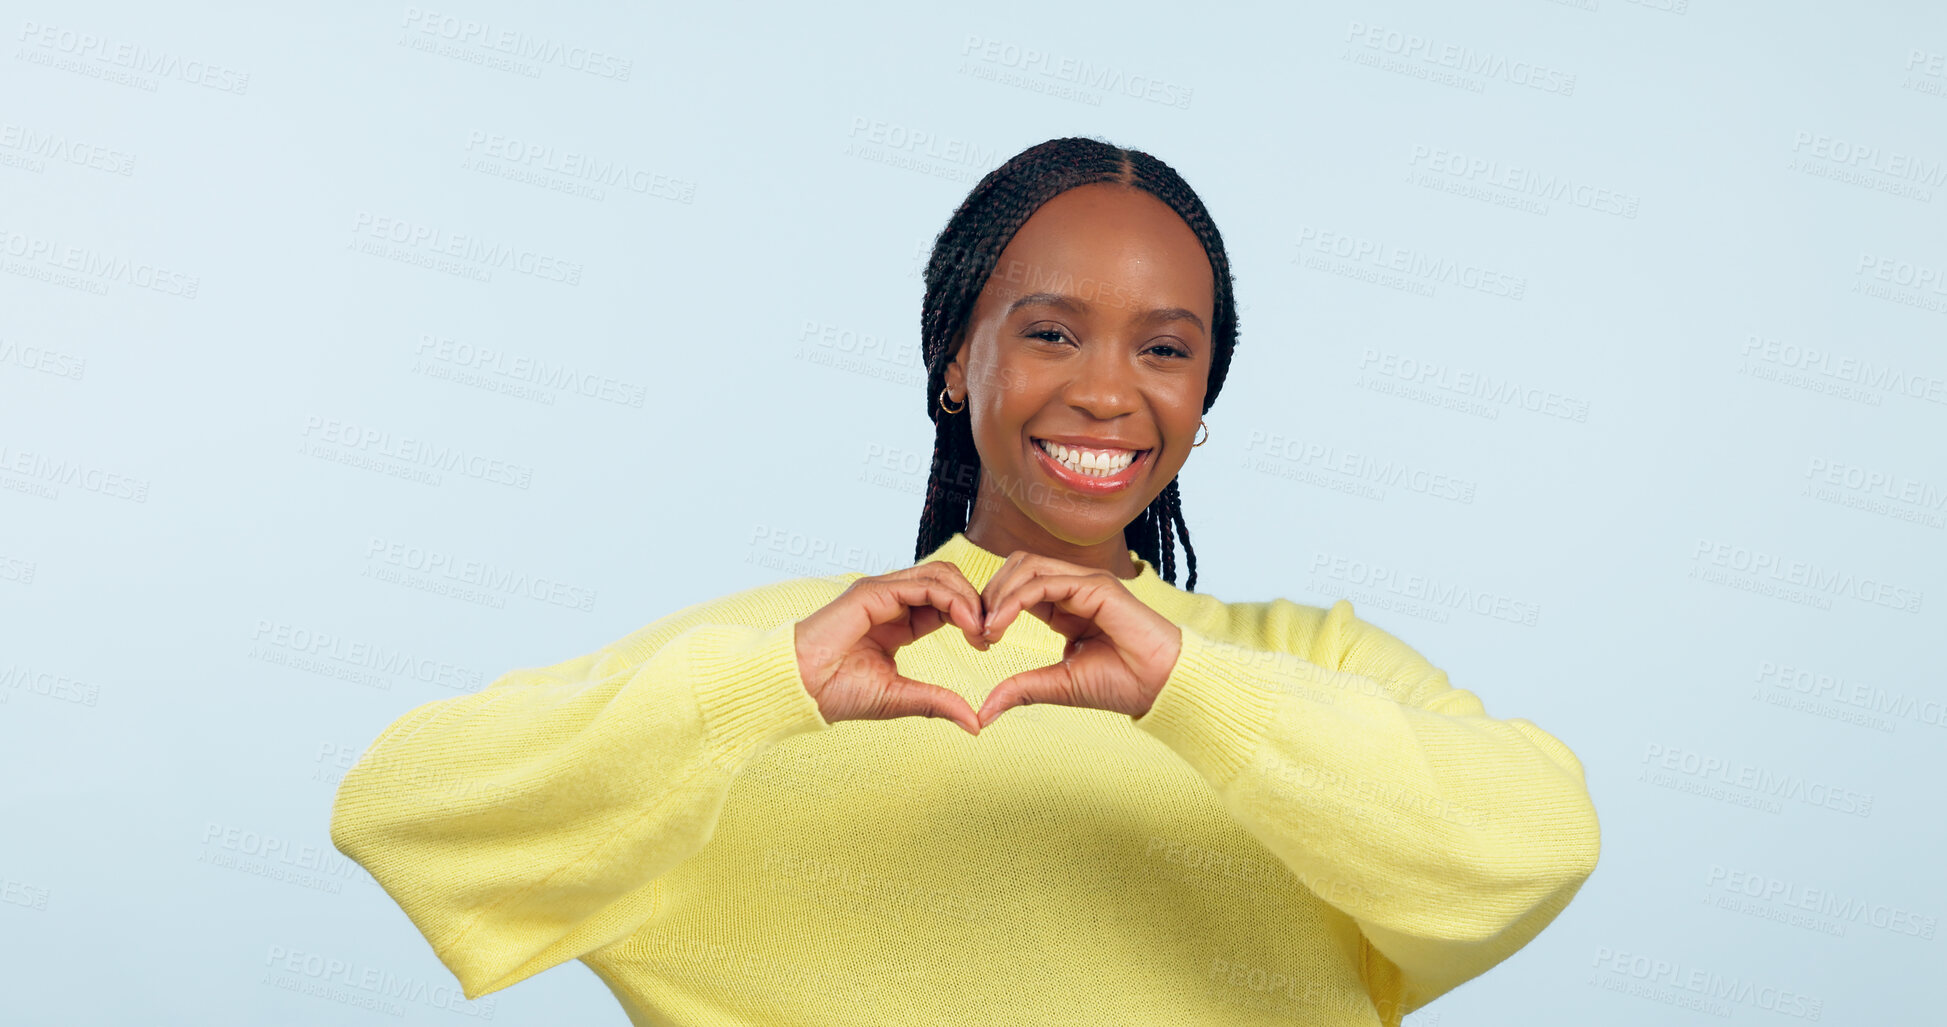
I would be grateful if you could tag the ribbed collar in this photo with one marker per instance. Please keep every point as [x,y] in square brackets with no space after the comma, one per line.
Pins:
[979,566]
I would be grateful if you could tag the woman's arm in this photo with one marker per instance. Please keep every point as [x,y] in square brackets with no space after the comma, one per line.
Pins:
[1451,837]
[526,824]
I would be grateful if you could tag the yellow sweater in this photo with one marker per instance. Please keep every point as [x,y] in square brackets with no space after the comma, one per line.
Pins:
[1310,826]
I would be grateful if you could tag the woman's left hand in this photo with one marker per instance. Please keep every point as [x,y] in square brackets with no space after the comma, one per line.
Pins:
[1119,653]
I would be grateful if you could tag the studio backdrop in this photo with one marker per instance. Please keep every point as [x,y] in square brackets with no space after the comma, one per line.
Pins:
[354,354]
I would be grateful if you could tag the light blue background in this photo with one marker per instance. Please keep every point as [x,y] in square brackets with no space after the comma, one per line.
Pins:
[165,749]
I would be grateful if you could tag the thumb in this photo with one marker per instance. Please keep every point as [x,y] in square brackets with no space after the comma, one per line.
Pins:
[1051,684]
[904,697]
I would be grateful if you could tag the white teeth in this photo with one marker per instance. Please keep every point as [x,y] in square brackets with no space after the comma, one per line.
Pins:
[1093,463]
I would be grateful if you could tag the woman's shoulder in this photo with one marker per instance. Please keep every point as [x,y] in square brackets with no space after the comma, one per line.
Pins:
[1332,636]
[761,606]
[1274,623]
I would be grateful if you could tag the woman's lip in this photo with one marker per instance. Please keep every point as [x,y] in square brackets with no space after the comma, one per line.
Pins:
[1082,482]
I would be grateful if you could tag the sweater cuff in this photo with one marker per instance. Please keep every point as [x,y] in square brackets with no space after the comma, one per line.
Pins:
[1211,710]
[749,689]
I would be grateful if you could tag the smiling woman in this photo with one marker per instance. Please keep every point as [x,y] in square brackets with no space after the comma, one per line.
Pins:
[1109,372]
[1089,280]
[1212,813]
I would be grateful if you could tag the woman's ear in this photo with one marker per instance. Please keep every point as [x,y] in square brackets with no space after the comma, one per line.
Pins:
[956,369]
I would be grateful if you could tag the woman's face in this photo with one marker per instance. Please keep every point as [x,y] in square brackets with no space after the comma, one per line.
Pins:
[1094,330]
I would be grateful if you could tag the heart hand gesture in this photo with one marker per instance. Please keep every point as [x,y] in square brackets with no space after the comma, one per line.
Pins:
[845,649]
[1119,655]
[1120,652]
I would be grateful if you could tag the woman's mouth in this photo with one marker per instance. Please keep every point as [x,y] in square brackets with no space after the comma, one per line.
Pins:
[1091,470]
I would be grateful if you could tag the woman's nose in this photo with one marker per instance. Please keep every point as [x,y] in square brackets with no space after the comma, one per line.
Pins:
[1102,384]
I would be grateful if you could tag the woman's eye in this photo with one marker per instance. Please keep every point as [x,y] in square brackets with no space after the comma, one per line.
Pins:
[1054,335]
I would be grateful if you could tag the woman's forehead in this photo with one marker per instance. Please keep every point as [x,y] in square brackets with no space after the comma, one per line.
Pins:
[1104,244]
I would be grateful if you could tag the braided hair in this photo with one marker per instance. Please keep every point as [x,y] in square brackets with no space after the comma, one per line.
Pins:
[964,256]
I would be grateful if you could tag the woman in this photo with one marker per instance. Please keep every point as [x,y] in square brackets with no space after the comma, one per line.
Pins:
[1206,813]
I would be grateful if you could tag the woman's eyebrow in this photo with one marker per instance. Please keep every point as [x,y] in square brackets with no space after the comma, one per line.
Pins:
[1076,306]
[1162,314]
[1051,299]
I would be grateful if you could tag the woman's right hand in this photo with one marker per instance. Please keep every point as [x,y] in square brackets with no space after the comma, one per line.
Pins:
[845,648]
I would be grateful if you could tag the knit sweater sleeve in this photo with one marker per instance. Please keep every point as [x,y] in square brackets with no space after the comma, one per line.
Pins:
[1451,837]
[527,824]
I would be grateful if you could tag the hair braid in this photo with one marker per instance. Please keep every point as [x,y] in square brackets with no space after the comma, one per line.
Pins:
[964,255]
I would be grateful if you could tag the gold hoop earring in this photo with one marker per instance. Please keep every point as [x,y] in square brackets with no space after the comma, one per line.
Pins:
[1206,435]
[950,410]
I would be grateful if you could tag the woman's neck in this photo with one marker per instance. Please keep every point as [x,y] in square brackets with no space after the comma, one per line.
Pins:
[1110,554]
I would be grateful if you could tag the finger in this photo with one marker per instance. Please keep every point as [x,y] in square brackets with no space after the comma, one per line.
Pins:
[1075,594]
[1020,566]
[964,611]
[924,620]
[891,601]
[998,586]
[950,576]
[1051,684]
[1061,621]
[1027,567]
